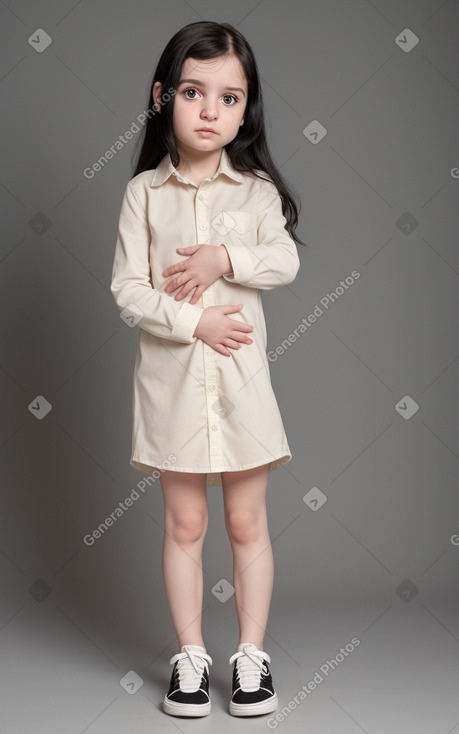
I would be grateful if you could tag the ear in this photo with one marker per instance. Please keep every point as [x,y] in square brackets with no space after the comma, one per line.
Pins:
[156,94]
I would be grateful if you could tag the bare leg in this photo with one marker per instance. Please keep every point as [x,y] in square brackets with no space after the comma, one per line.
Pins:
[185,525]
[244,495]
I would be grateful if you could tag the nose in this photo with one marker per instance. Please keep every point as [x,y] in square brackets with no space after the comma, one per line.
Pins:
[209,109]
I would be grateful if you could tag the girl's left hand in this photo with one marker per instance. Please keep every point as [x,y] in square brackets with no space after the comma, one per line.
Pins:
[205,265]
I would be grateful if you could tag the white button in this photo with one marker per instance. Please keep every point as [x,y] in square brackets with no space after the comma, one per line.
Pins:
[215,428]
[211,387]
[201,196]
[203,226]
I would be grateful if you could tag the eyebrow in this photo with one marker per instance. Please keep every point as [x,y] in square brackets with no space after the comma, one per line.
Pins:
[203,84]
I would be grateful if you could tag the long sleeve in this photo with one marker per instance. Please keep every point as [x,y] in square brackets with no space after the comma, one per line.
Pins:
[132,286]
[274,260]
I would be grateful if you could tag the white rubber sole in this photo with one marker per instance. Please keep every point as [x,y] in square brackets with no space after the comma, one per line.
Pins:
[185,709]
[251,709]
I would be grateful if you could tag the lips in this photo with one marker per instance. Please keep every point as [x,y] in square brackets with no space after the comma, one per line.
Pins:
[206,130]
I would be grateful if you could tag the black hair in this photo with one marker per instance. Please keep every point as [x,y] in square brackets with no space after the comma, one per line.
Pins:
[248,151]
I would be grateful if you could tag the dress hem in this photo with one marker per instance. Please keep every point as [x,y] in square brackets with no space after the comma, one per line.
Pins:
[213,477]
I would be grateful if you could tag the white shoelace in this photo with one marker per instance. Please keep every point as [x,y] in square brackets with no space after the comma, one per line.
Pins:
[190,667]
[250,665]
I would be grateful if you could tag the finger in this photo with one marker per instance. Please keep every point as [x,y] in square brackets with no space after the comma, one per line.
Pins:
[175,283]
[197,295]
[188,250]
[172,285]
[233,344]
[175,268]
[237,336]
[170,270]
[222,350]
[185,289]
[183,292]
[171,293]
[242,326]
[232,308]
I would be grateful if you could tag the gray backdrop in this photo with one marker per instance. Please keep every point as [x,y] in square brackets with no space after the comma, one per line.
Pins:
[362,113]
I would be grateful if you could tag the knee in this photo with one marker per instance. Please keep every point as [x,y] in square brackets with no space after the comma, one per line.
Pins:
[187,526]
[243,526]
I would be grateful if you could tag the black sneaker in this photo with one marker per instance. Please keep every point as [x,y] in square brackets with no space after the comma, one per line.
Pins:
[188,693]
[253,691]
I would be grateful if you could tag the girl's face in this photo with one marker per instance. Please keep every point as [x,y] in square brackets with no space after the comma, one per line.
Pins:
[211,93]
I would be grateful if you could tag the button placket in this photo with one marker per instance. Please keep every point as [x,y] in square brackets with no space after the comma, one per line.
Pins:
[210,356]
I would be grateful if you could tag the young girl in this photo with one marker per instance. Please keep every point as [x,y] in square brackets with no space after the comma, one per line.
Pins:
[206,188]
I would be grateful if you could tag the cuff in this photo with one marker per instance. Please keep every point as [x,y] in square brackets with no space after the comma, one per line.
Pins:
[241,263]
[186,322]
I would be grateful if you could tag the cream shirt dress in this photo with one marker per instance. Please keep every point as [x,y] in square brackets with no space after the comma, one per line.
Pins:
[194,409]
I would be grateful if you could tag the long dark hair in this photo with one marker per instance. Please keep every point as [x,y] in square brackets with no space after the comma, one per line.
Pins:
[248,151]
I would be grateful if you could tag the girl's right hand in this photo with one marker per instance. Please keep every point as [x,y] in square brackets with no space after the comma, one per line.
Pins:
[218,331]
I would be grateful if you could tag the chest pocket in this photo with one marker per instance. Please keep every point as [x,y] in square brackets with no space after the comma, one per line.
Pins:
[239,226]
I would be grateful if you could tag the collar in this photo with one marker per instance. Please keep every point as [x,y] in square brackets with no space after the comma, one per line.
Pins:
[165,169]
